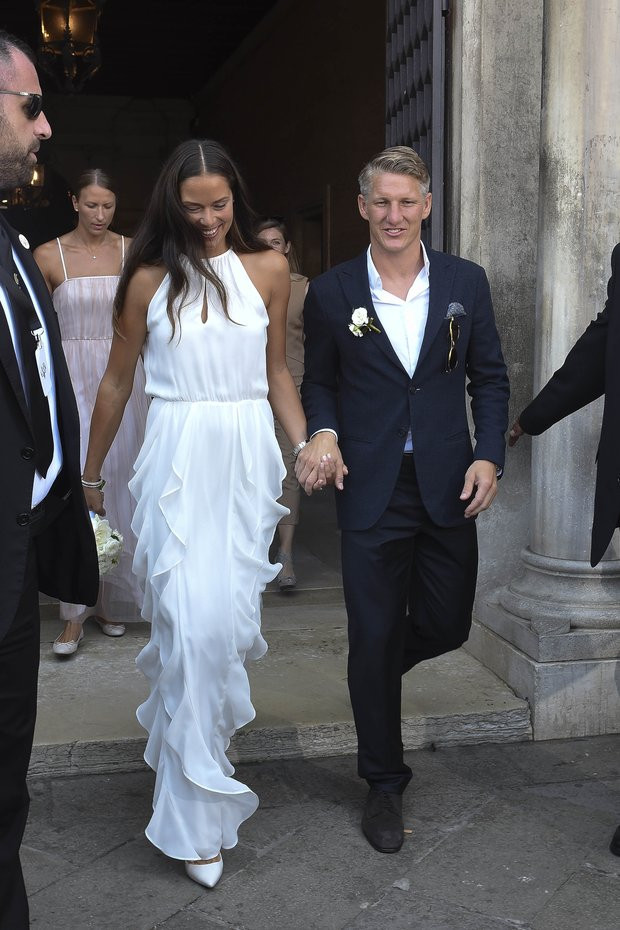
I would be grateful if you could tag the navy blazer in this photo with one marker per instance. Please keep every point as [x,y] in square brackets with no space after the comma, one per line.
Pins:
[66,553]
[590,370]
[358,387]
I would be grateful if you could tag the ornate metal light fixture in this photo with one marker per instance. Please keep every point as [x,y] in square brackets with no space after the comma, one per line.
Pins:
[68,48]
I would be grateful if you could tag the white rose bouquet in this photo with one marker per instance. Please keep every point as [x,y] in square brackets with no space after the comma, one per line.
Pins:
[109,543]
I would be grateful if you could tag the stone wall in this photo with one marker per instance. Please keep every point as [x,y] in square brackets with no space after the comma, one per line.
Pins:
[493,183]
[551,629]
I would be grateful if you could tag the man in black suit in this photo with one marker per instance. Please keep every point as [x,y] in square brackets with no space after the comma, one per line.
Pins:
[590,370]
[391,337]
[46,540]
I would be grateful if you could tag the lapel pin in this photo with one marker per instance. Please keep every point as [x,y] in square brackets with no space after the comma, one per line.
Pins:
[23,241]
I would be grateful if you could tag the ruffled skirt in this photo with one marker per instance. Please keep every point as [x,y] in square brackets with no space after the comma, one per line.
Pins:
[206,487]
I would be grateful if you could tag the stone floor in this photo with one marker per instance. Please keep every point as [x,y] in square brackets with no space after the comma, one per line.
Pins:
[87,701]
[503,837]
[505,834]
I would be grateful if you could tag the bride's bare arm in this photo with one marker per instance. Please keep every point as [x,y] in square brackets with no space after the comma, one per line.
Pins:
[117,382]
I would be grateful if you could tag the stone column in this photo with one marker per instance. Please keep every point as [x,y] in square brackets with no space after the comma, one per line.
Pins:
[553,633]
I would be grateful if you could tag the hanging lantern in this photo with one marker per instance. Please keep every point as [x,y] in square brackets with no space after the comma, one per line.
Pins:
[68,48]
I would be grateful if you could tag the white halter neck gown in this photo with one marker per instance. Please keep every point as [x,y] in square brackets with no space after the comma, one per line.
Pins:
[206,486]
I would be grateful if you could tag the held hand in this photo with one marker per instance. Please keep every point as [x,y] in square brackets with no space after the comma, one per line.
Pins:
[479,476]
[515,433]
[94,500]
[320,463]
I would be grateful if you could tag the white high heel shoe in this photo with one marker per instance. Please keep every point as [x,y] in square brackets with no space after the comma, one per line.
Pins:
[206,873]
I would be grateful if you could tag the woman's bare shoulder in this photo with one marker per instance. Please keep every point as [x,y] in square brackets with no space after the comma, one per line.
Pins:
[46,250]
[145,281]
[268,270]
[47,257]
[117,237]
[268,260]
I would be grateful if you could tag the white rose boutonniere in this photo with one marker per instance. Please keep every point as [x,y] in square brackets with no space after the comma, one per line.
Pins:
[361,323]
[109,543]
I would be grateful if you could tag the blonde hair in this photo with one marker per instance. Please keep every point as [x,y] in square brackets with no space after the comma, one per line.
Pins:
[399,159]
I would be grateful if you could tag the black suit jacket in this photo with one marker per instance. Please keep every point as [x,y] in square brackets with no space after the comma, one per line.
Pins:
[66,553]
[358,387]
[592,368]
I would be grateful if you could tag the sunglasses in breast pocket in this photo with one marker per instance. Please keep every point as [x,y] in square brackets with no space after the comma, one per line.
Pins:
[452,359]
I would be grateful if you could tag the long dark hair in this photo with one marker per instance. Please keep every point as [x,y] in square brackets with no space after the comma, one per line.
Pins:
[167,236]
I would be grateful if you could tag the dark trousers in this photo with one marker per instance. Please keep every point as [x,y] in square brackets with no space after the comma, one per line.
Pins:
[19,666]
[409,588]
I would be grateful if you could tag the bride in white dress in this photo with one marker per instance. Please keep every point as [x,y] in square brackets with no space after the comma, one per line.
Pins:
[205,302]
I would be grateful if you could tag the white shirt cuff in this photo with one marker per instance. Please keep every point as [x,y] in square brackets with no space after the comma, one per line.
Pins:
[325,430]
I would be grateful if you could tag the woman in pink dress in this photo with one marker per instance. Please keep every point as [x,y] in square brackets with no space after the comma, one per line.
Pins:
[82,269]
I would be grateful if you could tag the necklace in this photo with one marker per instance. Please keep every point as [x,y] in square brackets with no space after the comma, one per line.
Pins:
[89,250]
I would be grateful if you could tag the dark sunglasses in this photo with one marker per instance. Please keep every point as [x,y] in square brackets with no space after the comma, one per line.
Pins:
[453,335]
[34,105]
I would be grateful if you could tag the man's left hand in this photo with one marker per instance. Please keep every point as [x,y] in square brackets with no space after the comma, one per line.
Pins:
[481,476]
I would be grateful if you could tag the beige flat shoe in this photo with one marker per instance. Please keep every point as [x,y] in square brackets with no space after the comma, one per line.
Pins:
[67,649]
[110,629]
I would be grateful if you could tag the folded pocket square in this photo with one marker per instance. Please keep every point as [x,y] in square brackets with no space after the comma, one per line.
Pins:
[455,309]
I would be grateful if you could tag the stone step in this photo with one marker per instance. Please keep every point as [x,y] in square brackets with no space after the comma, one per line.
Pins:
[87,702]
[318,584]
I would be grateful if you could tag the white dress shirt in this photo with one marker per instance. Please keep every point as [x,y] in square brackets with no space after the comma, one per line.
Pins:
[403,321]
[41,485]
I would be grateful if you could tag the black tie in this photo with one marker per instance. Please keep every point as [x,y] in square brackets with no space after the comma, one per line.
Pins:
[26,321]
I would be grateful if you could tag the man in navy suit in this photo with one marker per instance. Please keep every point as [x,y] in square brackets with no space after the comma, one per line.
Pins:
[46,539]
[590,370]
[391,339]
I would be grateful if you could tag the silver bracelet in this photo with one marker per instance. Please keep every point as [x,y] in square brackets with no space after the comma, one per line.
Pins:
[97,485]
[300,445]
